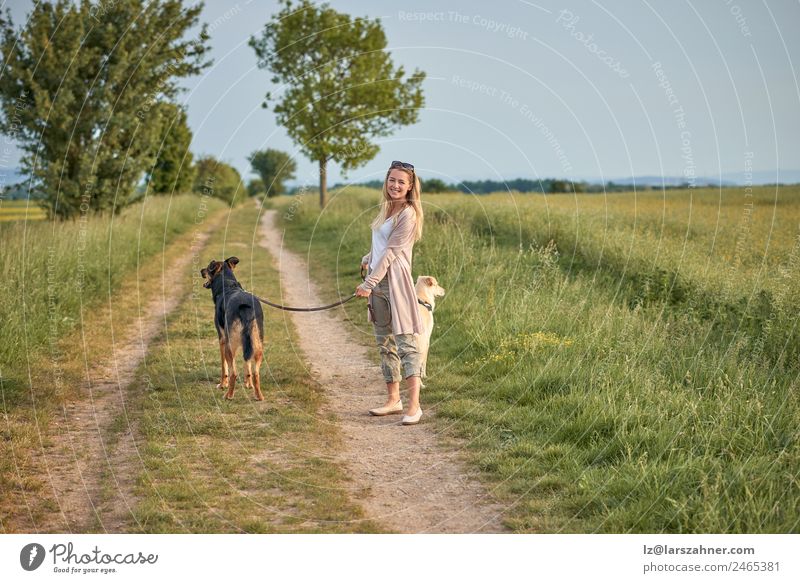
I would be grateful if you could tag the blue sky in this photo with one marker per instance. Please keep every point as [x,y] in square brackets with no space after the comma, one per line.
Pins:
[543,89]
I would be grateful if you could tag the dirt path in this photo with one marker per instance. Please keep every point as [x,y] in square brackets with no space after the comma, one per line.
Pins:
[406,480]
[93,465]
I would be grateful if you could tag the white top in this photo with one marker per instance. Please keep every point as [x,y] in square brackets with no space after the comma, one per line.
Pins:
[380,240]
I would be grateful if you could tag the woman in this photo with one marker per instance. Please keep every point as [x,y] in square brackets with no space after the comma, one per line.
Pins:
[390,290]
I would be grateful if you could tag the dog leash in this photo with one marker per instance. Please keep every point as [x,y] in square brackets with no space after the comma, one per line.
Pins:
[329,306]
[316,309]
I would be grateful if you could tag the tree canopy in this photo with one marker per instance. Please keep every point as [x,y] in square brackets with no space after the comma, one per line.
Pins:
[339,87]
[79,89]
[218,179]
[172,171]
[274,167]
[435,185]
[255,187]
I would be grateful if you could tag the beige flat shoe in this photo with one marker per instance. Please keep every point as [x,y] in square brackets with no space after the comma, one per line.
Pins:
[413,419]
[390,410]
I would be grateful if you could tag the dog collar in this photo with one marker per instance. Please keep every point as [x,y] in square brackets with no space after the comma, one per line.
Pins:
[426,304]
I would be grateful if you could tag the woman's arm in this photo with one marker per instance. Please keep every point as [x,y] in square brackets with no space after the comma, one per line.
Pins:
[398,238]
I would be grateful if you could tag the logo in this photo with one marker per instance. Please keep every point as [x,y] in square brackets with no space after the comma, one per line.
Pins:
[31,556]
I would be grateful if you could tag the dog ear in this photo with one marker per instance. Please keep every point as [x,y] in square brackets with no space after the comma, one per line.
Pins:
[203,272]
[430,281]
[232,261]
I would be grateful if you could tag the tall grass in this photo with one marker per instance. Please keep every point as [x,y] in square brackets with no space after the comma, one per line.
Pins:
[69,288]
[21,210]
[614,364]
[725,256]
[54,270]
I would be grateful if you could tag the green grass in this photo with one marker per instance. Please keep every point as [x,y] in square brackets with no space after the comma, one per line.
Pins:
[211,465]
[206,465]
[637,374]
[70,287]
[53,270]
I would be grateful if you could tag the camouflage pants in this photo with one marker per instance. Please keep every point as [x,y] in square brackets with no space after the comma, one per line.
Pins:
[400,357]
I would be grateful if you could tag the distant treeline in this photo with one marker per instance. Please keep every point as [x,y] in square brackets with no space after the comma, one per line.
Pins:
[527,185]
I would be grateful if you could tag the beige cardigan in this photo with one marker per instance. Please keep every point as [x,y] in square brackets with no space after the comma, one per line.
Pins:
[396,262]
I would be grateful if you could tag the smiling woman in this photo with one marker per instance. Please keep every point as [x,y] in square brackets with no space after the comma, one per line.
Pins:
[390,289]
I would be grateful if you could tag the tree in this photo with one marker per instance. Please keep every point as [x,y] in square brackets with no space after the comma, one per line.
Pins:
[558,186]
[255,187]
[274,167]
[218,179]
[172,170]
[341,88]
[435,185]
[78,90]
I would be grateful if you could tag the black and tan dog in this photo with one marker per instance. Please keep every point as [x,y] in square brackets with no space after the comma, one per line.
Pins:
[239,321]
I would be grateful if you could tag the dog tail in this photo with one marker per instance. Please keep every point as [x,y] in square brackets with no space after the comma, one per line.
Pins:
[247,315]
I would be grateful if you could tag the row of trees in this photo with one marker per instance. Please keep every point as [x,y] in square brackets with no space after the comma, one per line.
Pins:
[88,89]
[546,185]
[93,107]
[174,170]
[526,185]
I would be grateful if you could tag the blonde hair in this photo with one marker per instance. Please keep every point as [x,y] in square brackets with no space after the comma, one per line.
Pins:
[413,199]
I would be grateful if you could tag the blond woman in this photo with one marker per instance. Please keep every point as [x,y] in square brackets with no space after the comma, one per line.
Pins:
[389,289]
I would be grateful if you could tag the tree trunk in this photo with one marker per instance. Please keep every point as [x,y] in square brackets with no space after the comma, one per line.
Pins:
[323,183]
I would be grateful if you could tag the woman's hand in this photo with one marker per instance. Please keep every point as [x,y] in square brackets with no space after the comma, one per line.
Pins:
[363,293]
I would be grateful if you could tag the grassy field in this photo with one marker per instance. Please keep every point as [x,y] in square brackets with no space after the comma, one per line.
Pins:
[21,210]
[620,363]
[210,465]
[70,287]
[201,464]
[58,269]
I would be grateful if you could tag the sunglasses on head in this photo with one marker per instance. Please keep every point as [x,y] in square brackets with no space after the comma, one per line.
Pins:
[399,164]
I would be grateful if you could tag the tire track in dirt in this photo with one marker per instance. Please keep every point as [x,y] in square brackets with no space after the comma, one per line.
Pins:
[92,466]
[402,476]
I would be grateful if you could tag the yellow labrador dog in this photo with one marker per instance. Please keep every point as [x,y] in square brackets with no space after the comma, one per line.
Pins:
[428,289]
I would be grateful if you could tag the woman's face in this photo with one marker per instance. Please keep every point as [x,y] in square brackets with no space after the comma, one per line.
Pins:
[397,185]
